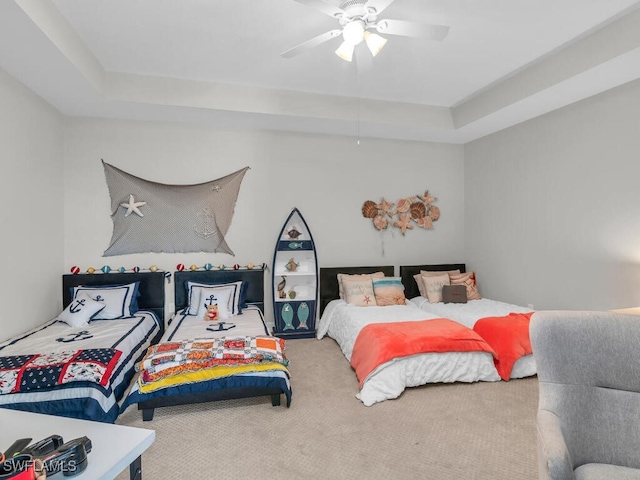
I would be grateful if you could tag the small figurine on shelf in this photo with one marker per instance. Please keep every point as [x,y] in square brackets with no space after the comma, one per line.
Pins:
[292,293]
[291,265]
[293,233]
[281,286]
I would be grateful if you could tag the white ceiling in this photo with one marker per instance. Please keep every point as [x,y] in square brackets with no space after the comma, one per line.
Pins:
[217,62]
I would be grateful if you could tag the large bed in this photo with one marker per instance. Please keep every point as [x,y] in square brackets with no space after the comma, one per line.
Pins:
[85,369]
[208,384]
[513,319]
[469,359]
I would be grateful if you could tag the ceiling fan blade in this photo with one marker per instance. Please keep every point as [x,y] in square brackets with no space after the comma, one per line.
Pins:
[309,44]
[323,7]
[412,29]
[379,5]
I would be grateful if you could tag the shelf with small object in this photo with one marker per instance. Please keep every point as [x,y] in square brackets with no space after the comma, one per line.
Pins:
[295,280]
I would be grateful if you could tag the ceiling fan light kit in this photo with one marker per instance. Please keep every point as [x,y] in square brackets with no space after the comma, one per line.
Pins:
[374,42]
[353,32]
[357,18]
[345,51]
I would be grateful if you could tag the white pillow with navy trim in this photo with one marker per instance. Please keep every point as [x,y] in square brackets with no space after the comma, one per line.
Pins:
[80,310]
[193,296]
[117,299]
[218,296]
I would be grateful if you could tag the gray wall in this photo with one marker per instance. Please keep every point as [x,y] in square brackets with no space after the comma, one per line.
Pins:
[546,212]
[327,178]
[552,206]
[31,191]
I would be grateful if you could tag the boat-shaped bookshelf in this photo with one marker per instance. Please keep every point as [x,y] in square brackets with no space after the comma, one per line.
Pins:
[295,280]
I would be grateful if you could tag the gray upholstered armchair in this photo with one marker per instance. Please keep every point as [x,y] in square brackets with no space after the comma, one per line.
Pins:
[589,407]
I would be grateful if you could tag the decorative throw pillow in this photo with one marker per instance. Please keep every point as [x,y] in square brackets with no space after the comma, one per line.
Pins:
[236,298]
[359,291]
[214,296]
[80,310]
[118,299]
[468,280]
[341,276]
[454,294]
[433,286]
[389,291]
[418,278]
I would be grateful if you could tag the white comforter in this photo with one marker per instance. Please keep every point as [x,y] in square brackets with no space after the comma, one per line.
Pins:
[184,327]
[472,311]
[342,322]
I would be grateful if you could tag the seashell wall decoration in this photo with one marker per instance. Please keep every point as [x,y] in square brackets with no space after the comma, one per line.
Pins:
[369,209]
[418,210]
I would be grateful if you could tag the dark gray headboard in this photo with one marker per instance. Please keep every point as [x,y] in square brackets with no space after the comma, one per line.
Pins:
[329,280]
[253,277]
[151,287]
[408,271]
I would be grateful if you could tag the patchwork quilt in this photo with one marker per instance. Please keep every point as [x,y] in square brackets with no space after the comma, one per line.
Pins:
[24,373]
[174,358]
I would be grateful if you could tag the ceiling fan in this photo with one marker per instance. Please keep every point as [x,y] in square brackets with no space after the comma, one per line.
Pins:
[358,20]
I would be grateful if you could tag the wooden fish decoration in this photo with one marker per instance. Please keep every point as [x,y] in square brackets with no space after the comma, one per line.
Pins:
[294,233]
[291,265]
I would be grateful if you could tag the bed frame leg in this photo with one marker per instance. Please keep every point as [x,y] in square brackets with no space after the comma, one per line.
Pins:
[147,414]
[275,400]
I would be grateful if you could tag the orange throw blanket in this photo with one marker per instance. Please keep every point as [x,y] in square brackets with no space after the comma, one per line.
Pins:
[378,343]
[509,337]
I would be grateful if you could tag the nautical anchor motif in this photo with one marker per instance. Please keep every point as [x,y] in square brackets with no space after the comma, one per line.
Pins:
[219,327]
[211,308]
[208,228]
[72,337]
[211,300]
[77,305]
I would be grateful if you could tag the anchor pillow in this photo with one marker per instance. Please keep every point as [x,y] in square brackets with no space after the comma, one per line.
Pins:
[237,298]
[120,300]
[215,295]
[80,310]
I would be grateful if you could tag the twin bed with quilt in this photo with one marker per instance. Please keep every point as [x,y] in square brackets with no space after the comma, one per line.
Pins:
[225,356]
[80,363]
[392,343]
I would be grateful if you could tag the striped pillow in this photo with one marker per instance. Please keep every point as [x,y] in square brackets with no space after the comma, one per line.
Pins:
[468,280]
[389,291]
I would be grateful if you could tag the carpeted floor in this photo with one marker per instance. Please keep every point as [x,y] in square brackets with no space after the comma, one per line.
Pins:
[443,432]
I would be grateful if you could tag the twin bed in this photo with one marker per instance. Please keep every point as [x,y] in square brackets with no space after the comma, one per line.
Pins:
[83,368]
[198,385]
[83,371]
[397,346]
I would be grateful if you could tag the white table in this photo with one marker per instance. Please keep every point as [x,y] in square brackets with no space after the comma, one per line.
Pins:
[113,447]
